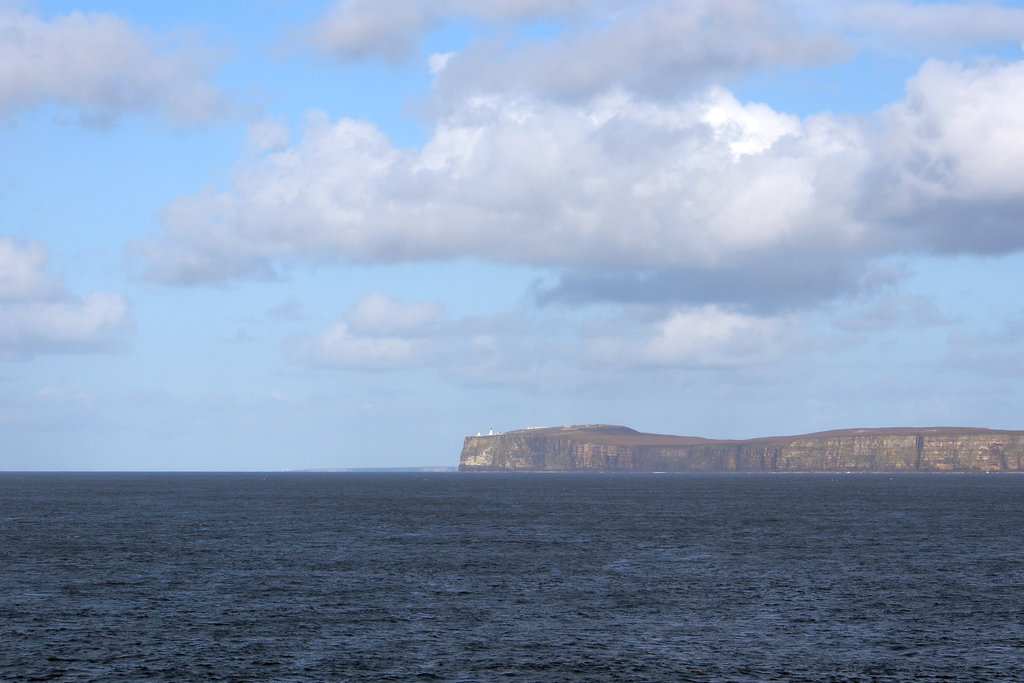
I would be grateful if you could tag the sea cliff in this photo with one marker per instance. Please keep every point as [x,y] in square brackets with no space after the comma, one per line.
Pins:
[607,448]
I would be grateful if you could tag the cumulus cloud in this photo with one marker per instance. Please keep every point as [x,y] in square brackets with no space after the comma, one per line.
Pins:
[380,315]
[620,183]
[706,336]
[101,66]
[94,322]
[340,347]
[700,200]
[521,348]
[515,348]
[948,166]
[39,315]
[22,274]
[359,29]
[378,333]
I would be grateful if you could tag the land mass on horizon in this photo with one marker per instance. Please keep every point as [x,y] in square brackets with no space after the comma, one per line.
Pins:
[611,448]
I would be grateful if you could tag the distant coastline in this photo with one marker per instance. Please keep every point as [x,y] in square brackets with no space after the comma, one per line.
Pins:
[437,468]
[611,448]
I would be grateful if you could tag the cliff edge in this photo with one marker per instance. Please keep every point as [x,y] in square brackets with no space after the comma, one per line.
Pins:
[609,448]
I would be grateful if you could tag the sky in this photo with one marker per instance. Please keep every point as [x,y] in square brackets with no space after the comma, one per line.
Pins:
[277,234]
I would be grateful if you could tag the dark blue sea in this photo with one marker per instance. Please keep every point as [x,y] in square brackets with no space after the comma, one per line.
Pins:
[479,577]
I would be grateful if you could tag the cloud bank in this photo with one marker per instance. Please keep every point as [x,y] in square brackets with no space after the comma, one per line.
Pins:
[655,49]
[380,333]
[622,192]
[606,151]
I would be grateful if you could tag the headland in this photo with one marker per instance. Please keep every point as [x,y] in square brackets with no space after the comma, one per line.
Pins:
[610,448]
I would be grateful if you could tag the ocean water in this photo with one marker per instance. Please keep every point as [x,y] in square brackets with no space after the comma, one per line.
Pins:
[467,577]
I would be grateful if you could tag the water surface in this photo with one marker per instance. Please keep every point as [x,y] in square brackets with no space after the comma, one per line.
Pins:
[343,576]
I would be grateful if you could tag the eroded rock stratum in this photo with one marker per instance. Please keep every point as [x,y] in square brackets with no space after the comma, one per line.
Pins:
[606,448]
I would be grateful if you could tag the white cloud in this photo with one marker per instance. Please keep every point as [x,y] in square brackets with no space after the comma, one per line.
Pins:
[693,337]
[748,129]
[340,347]
[378,333]
[95,322]
[934,25]
[949,163]
[959,132]
[22,276]
[657,49]
[314,197]
[359,29]
[654,47]
[377,314]
[620,182]
[529,350]
[390,29]
[693,195]
[268,135]
[38,315]
[437,61]
[101,66]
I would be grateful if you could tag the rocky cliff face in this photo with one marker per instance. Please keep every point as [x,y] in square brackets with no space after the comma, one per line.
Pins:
[602,448]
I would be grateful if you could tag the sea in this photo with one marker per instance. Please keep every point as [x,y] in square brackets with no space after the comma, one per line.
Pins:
[525,577]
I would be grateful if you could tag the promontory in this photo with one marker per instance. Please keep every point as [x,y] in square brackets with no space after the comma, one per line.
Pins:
[608,448]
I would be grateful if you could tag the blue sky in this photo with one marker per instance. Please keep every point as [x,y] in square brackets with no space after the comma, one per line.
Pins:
[282,235]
